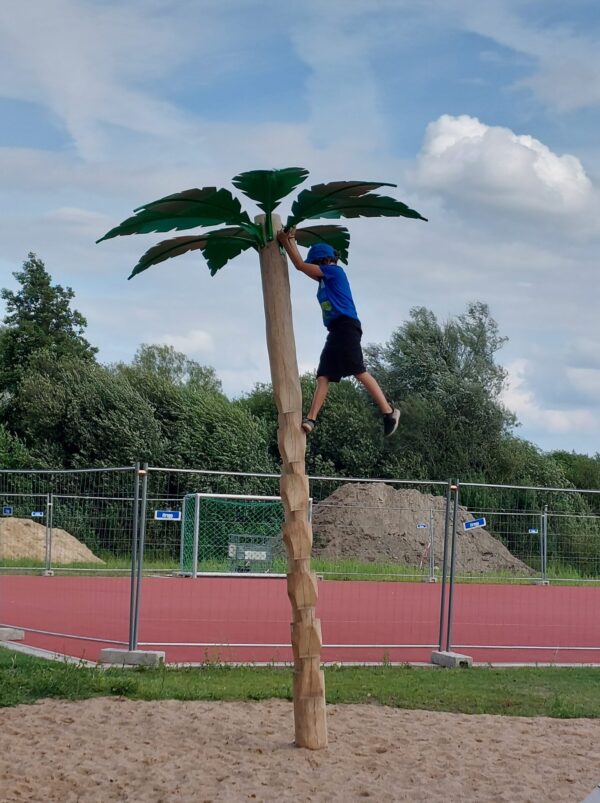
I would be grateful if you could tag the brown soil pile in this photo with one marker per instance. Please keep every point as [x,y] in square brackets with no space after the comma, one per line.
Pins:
[376,522]
[23,538]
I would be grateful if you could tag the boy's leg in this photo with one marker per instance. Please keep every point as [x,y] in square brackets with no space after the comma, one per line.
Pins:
[378,396]
[391,414]
[320,394]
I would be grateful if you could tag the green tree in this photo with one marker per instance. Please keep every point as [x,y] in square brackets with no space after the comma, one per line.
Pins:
[422,353]
[520,462]
[166,362]
[449,385]
[72,412]
[39,317]
[581,469]
[13,453]
[203,429]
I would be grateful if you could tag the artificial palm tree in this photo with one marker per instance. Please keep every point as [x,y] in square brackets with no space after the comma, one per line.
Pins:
[211,206]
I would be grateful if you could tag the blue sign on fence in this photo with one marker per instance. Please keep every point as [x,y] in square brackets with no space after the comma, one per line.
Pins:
[533,531]
[167,515]
[7,510]
[37,514]
[422,526]
[471,525]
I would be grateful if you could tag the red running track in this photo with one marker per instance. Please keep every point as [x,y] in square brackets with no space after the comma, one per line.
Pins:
[249,618]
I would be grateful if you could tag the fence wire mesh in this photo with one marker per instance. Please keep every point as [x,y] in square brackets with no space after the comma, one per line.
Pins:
[549,534]
[369,535]
[70,524]
[231,533]
[65,521]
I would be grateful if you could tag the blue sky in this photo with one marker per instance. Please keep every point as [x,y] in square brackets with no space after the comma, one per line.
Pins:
[484,113]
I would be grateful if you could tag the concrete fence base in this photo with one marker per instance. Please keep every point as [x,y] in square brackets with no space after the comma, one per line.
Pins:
[11,634]
[152,658]
[451,659]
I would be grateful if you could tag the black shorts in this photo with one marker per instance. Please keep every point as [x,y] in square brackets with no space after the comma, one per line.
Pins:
[342,355]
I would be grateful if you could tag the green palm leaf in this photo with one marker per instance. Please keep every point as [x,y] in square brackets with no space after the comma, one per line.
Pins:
[268,187]
[195,194]
[311,202]
[180,245]
[225,244]
[167,249]
[184,210]
[371,205]
[337,237]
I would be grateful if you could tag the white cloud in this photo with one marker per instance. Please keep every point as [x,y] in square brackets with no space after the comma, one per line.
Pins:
[565,62]
[586,381]
[87,63]
[521,400]
[584,353]
[462,158]
[342,61]
[196,341]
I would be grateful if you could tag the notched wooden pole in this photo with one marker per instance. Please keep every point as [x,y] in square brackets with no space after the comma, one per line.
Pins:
[309,683]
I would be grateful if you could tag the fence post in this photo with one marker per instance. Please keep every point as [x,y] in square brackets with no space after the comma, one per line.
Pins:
[134,550]
[48,545]
[431,546]
[452,565]
[140,555]
[444,565]
[545,544]
[196,537]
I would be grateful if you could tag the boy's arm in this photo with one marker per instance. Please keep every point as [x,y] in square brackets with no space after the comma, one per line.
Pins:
[288,241]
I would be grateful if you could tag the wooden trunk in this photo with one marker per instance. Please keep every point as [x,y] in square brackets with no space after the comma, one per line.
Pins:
[309,684]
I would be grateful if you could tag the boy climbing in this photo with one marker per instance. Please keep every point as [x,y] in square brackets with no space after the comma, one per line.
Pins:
[342,354]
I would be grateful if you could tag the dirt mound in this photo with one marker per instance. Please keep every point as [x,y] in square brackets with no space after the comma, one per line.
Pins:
[376,522]
[23,538]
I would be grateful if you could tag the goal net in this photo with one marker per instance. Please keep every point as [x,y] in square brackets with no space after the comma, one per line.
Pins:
[230,533]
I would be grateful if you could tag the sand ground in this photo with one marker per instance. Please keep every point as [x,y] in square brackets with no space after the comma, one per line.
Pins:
[121,750]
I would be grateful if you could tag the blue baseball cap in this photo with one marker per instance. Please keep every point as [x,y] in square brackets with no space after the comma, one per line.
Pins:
[321,251]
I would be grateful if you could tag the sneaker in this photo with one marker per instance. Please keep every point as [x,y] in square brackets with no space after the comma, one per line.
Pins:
[308,424]
[390,421]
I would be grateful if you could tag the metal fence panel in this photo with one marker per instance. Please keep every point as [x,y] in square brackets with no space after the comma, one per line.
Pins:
[543,610]
[85,561]
[65,556]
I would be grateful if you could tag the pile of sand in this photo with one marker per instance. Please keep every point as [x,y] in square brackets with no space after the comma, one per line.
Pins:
[377,522]
[23,538]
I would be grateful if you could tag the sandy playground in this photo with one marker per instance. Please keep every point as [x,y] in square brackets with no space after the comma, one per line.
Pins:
[121,750]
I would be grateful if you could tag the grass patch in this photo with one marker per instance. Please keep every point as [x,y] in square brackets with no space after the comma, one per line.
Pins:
[552,692]
[328,568]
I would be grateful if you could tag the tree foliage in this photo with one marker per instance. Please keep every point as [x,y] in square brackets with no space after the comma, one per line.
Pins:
[582,471]
[166,362]
[201,427]
[39,317]
[72,412]
[446,379]
[13,453]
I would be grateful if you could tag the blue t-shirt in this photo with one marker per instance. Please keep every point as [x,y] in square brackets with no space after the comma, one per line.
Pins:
[334,294]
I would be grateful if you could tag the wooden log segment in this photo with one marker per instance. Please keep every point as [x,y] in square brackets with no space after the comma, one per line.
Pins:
[310,720]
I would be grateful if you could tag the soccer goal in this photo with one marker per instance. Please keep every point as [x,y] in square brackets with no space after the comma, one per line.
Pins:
[234,533]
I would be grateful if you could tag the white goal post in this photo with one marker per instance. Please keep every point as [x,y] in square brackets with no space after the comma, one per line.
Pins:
[230,533]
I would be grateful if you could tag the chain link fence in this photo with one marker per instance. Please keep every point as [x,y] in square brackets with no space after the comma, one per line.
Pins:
[140,528]
[67,521]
